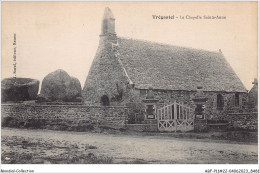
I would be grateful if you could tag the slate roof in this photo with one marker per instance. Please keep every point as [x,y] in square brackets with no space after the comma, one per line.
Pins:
[160,66]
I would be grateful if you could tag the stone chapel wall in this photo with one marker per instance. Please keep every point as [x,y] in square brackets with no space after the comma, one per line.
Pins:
[212,111]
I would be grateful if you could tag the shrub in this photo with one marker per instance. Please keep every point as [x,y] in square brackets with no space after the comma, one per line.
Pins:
[34,123]
[122,129]
[90,127]
[9,122]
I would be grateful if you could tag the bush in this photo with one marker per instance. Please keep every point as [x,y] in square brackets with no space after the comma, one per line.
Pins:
[90,127]
[20,124]
[34,123]
[55,124]
[122,129]
[9,122]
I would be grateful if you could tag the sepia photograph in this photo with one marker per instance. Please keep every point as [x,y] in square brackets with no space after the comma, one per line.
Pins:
[129,83]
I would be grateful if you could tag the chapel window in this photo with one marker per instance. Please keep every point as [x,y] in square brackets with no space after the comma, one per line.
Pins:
[237,99]
[220,102]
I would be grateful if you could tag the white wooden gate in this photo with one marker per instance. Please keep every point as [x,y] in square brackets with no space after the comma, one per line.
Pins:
[174,117]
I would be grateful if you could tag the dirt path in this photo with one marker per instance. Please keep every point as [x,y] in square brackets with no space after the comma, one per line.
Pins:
[149,149]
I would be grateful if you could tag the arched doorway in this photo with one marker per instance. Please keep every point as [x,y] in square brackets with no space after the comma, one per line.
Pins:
[104,100]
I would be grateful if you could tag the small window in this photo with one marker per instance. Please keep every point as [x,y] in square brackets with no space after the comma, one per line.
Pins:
[237,99]
[220,101]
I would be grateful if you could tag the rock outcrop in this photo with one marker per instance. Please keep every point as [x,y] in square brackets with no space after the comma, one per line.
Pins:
[19,89]
[60,86]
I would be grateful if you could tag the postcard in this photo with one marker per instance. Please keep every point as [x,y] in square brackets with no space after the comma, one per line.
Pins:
[115,83]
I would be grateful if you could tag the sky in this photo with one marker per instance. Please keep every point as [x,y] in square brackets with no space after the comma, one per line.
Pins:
[65,35]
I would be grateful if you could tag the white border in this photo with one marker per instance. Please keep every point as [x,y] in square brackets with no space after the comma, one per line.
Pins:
[129,168]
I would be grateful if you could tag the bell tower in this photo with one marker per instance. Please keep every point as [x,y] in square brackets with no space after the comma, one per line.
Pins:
[106,80]
[108,24]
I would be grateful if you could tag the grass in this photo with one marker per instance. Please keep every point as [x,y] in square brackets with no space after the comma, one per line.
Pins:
[18,150]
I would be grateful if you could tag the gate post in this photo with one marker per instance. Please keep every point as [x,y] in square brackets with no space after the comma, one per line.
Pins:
[175,115]
[150,108]
[200,123]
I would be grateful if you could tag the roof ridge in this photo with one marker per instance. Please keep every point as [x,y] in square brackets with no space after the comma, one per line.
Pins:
[165,44]
[122,66]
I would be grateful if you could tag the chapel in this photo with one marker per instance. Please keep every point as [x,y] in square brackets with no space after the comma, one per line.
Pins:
[125,70]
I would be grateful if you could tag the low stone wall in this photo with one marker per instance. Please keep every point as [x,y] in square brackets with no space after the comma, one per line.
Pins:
[243,121]
[143,127]
[84,118]
[76,116]
[200,125]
